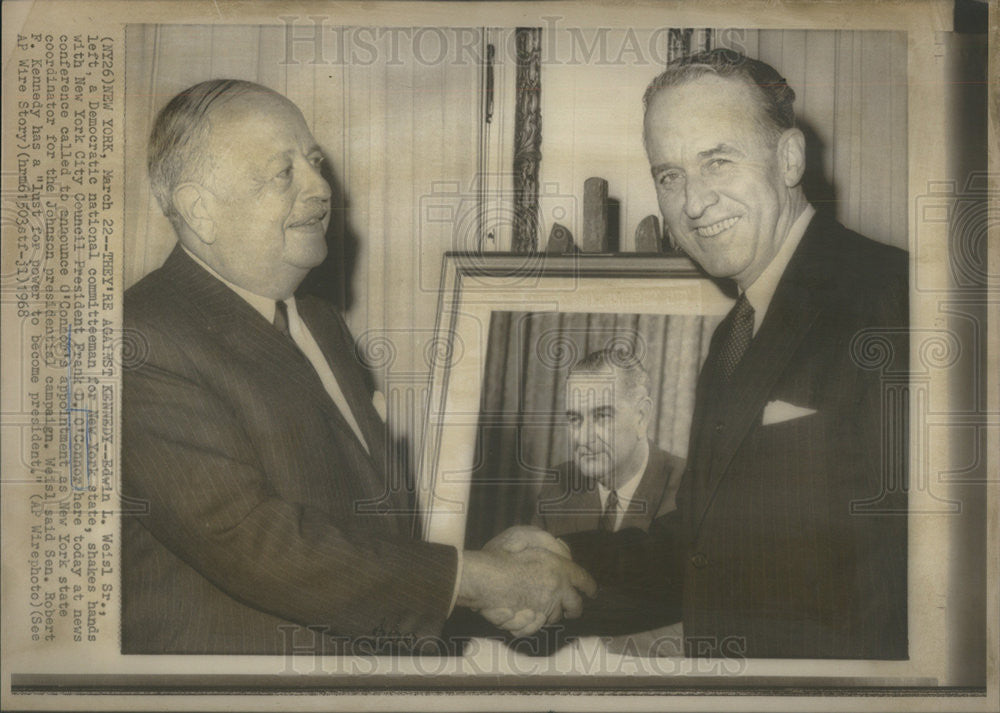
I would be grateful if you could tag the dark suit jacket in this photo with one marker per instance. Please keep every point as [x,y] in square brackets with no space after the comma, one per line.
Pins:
[256,510]
[790,538]
[572,503]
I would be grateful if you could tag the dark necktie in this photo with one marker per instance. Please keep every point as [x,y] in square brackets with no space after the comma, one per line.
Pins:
[281,318]
[738,338]
[609,518]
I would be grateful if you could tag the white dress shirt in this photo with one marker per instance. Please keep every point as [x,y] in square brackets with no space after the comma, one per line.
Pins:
[760,293]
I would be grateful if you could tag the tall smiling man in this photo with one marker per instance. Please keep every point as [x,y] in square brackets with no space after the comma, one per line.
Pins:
[790,535]
[250,443]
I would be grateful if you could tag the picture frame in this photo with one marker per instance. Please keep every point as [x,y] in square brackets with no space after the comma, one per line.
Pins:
[475,287]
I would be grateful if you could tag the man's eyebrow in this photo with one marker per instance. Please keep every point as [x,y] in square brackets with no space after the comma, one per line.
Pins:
[276,157]
[661,167]
[720,149]
[288,153]
[602,411]
[724,149]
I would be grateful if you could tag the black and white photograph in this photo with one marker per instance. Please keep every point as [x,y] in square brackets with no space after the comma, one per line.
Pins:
[555,355]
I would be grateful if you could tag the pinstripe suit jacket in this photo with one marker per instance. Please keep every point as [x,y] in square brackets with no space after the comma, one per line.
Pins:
[256,512]
[790,537]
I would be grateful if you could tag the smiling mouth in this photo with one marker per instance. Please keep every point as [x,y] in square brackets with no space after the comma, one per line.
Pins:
[315,220]
[710,231]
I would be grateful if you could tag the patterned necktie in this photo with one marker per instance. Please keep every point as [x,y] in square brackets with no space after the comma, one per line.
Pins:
[281,319]
[739,336]
[609,518]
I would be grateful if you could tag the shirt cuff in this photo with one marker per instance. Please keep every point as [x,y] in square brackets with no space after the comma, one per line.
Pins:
[458,581]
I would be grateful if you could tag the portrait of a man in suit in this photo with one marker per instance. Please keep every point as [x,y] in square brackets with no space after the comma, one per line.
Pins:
[616,478]
[249,434]
[790,534]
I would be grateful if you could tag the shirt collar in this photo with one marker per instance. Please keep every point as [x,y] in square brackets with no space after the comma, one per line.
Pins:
[626,491]
[264,305]
[759,294]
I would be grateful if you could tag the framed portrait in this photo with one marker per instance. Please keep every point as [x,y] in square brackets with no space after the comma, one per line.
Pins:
[510,328]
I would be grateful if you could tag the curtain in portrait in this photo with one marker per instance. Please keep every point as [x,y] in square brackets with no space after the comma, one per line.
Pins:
[522,435]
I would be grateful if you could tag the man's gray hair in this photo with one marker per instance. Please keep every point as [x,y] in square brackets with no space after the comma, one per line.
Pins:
[623,363]
[775,98]
[178,150]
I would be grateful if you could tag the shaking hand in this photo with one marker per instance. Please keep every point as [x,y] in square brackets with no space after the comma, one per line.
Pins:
[522,537]
[520,585]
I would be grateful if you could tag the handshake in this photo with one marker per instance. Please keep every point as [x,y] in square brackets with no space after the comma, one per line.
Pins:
[522,580]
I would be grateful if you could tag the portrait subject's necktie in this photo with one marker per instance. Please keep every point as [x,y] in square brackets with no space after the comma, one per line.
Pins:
[609,518]
[738,338]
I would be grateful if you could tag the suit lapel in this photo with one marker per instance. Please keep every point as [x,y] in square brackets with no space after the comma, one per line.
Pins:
[586,508]
[581,509]
[234,320]
[245,331]
[278,355]
[736,407]
[649,494]
[693,493]
[341,357]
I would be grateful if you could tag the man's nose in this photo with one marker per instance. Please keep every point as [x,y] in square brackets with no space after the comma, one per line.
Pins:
[585,434]
[698,197]
[316,187]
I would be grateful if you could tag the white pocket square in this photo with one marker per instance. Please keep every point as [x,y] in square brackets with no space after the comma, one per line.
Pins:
[779,411]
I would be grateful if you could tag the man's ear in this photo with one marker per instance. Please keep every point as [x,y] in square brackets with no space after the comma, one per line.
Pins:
[190,202]
[645,409]
[792,156]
